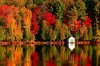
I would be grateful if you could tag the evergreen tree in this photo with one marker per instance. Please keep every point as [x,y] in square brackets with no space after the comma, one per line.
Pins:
[81,8]
[72,13]
[57,8]
[97,10]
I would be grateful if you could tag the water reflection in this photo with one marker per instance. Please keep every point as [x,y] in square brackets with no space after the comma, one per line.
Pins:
[45,55]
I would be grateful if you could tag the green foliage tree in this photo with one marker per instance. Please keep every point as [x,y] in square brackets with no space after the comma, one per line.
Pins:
[81,8]
[57,8]
[45,31]
[2,33]
[72,13]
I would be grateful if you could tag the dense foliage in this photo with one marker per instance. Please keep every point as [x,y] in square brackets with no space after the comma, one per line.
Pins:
[31,20]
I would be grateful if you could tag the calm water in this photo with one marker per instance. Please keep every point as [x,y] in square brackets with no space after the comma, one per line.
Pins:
[82,55]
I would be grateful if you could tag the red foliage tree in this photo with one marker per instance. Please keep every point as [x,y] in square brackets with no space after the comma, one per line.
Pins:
[88,21]
[3,10]
[50,18]
[35,26]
